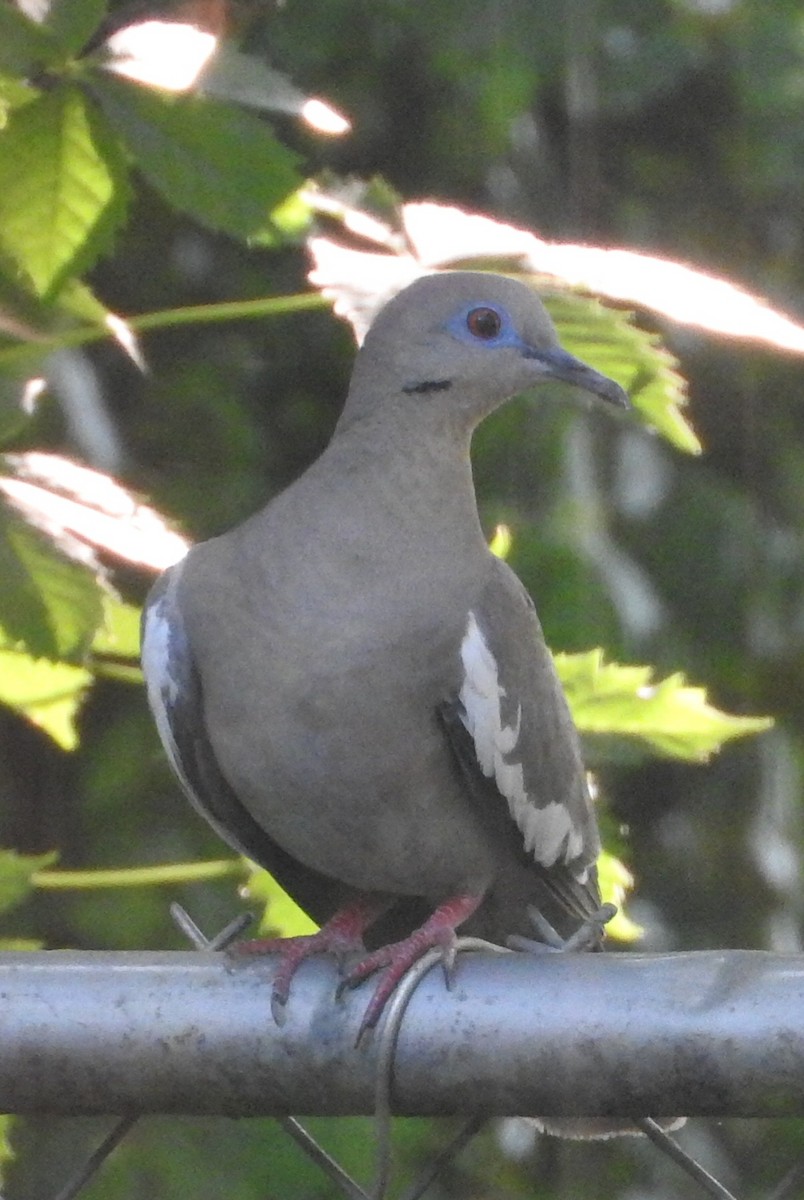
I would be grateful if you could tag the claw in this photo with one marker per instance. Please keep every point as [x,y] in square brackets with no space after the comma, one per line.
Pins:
[341,936]
[438,932]
[587,936]
[278,1004]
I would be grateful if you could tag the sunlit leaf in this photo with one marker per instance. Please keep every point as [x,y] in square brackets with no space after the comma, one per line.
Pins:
[62,187]
[616,881]
[119,632]
[501,542]
[291,219]
[281,916]
[49,603]
[14,93]
[7,1121]
[76,502]
[668,716]
[16,871]
[218,163]
[116,646]
[48,694]
[164,54]
[360,283]
[607,338]
[441,234]
[231,75]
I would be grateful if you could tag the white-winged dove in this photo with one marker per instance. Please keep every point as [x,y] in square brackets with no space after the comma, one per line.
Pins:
[356,693]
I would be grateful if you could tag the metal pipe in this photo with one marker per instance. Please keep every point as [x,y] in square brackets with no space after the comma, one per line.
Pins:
[707,1033]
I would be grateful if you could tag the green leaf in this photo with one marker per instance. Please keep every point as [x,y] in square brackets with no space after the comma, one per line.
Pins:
[116,646]
[232,75]
[607,339]
[6,1125]
[62,187]
[668,716]
[119,632]
[281,916]
[16,871]
[72,22]
[24,44]
[32,328]
[12,412]
[14,93]
[48,694]
[26,317]
[221,165]
[49,604]
[616,881]
[289,221]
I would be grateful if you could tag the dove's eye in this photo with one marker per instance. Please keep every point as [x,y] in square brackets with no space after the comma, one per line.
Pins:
[484,323]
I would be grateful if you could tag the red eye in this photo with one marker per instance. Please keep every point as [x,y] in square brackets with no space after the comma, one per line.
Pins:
[484,323]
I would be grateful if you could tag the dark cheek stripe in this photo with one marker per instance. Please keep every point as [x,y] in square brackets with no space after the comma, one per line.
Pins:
[427,385]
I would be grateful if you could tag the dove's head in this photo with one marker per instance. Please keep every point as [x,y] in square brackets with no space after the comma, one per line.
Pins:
[461,343]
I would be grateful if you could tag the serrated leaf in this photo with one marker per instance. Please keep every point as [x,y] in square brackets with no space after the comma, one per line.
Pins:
[607,339]
[72,22]
[668,715]
[616,881]
[16,871]
[49,604]
[217,163]
[23,43]
[62,187]
[48,694]
[441,234]
[84,510]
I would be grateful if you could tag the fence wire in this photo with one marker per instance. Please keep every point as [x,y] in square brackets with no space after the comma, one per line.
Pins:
[724,989]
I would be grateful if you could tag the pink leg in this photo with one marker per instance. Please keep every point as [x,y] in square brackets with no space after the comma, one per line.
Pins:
[342,935]
[437,931]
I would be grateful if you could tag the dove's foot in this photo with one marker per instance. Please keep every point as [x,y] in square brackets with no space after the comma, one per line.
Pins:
[438,931]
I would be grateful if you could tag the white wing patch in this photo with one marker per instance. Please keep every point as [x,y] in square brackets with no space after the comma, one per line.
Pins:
[548,831]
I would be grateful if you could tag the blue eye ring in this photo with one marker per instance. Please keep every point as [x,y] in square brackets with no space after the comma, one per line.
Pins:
[484,323]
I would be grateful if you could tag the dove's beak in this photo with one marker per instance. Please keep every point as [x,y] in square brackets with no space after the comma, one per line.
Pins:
[566,367]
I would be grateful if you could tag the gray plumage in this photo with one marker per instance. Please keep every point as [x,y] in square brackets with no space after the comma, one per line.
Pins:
[350,686]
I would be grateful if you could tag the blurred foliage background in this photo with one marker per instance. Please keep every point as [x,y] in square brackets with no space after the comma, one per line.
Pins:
[676,128]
